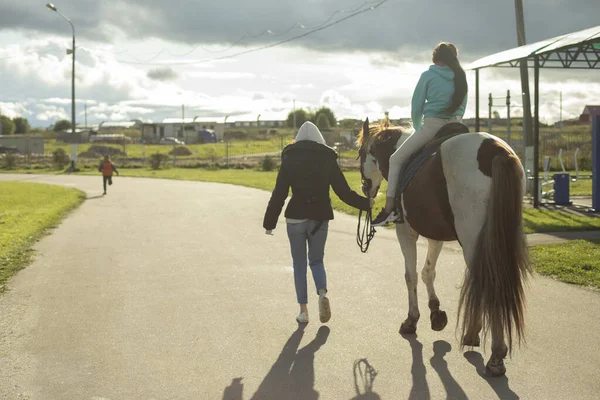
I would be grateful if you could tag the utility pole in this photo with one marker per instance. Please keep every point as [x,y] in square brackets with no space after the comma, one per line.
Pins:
[508,117]
[561,119]
[490,105]
[182,121]
[294,114]
[528,142]
[86,117]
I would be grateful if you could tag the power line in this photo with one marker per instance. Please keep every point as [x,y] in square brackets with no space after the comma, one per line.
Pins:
[323,27]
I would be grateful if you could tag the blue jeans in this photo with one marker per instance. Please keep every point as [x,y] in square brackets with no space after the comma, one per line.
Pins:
[299,235]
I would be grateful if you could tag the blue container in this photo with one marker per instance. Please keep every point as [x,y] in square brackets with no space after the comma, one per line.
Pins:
[561,189]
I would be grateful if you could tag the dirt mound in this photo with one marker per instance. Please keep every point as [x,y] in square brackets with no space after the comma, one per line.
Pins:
[97,151]
[180,151]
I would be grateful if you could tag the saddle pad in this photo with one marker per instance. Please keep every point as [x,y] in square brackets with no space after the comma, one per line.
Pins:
[414,163]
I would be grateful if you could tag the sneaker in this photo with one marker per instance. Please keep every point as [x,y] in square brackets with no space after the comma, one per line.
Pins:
[302,318]
[324,309]
[383,218]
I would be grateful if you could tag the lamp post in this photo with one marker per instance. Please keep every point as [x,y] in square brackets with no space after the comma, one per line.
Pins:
[258,123]
[72,52]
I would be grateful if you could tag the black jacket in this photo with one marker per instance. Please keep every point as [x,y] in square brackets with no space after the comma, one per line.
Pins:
[309,168]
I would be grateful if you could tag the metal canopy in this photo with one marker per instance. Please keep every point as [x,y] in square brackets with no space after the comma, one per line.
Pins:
[577,50]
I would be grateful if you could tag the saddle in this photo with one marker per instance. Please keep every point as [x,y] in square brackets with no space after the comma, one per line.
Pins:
[417,159]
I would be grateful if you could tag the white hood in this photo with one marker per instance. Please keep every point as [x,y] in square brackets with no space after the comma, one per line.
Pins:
[309,131]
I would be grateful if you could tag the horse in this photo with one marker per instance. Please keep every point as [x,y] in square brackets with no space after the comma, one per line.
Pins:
[470,188]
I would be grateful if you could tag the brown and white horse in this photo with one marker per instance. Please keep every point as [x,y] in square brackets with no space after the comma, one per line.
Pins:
[470,190]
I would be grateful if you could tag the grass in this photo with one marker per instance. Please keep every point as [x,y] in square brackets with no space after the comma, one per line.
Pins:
[577,262]
[540,220]
[28,210]
[209,150]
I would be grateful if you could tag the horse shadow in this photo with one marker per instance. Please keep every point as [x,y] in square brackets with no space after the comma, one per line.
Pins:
[499,384]
[420,388]
[453,389]
[292,374]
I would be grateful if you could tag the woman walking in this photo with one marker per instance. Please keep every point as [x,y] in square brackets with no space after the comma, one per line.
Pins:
[107,168]
[310,168]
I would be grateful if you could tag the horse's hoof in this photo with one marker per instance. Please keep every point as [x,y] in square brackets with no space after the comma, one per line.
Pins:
[495,369]
[439,320]
[408,327]
[471,341]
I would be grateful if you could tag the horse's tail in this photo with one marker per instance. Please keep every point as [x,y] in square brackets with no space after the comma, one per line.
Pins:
[493,290]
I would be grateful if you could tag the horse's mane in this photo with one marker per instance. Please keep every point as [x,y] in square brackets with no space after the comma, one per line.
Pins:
[377,131]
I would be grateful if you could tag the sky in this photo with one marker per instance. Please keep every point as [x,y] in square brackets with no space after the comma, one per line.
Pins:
[144,59]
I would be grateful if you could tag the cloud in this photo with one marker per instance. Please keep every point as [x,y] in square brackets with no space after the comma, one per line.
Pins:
[211,27]
[162,74]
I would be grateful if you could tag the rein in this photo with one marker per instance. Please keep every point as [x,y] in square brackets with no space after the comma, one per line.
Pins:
[366,234]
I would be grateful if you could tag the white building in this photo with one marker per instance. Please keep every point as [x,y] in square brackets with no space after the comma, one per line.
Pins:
[26,144]
[187,129]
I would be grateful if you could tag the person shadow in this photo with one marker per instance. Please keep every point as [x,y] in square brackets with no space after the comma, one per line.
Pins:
[235,390]
[420,388]
[292,376]
[499,384]
[366,377]
[440,365]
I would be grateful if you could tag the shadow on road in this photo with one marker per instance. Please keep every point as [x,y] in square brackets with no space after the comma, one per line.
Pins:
[235,390]
[95,197]
[420,389]
[293,373]
[453,389]
[499,384]
[364,391]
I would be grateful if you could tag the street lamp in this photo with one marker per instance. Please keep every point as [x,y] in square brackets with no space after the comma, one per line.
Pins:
[72,52]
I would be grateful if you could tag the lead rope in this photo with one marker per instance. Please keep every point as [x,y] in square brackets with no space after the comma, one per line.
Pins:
[363,239]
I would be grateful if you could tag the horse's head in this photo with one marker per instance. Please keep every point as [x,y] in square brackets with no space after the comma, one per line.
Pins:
[376,144]
[369,170]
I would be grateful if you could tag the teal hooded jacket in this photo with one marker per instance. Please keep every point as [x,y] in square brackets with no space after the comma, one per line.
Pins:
[433,95]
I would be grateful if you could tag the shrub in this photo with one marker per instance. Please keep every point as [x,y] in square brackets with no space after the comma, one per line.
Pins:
[180,151]
[268,164]
[157,159]
[60,158]
[10,161]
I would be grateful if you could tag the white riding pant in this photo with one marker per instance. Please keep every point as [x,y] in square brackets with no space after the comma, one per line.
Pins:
[414,143]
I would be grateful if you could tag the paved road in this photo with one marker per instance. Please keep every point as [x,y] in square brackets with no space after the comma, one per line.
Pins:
[170,290]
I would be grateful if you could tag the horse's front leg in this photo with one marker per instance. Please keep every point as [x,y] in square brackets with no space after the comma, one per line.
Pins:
[438,318]
[408,242]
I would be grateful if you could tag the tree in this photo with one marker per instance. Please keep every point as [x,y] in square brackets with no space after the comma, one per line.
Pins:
[62,125]
[350,123]
[323,122]
[301,117]
[21,125]
[8,126]
[496,115]
[328,113]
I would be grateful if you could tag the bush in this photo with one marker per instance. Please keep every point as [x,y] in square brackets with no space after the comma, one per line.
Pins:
[60,158]
[10,161]
[268,164]
[157,159]
[180,151]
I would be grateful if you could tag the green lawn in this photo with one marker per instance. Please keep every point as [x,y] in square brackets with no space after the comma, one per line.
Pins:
[540,220]
[206,151]
[577,262]
[28,209]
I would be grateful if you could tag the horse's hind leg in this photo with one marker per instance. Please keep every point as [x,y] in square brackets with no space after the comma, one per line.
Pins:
[495,366]
[438,318]
[408,242]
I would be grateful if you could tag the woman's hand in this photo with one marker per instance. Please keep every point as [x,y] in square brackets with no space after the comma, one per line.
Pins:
[269,232]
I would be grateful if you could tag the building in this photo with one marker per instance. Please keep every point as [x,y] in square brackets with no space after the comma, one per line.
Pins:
[110,126]
[26,144]
[189,130]
[588,112]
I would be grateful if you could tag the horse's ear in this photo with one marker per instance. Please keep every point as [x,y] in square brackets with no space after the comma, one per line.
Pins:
[366,128]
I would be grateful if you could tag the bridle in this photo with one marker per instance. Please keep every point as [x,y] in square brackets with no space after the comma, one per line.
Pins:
[366,233]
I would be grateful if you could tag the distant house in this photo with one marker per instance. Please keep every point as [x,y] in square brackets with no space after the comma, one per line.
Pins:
[189,130]
[109,126]
[588,111]
[26,144]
